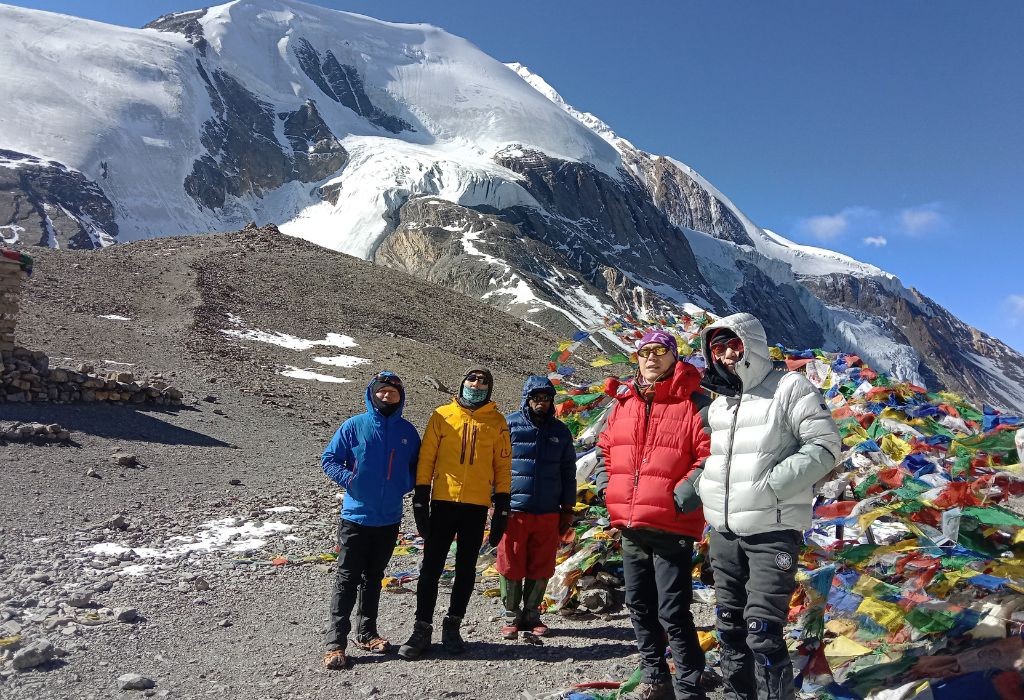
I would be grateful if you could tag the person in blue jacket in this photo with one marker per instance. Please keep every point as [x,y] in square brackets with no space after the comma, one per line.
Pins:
[543,496]
[373,457]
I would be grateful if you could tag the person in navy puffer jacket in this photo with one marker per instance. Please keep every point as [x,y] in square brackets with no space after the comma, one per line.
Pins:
[543,496]
[373,457]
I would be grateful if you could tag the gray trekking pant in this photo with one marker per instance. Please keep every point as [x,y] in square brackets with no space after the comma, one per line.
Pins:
[755,576]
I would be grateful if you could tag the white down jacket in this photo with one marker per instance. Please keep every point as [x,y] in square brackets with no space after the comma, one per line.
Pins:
[771,440]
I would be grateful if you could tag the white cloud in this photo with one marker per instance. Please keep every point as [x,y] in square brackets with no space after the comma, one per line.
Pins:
[877,241]
[917,221]
[825,227]
[1014,306]
[828,227]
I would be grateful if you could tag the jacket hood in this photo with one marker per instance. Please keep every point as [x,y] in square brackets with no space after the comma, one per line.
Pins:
[756,362]
[537,383]
[368,397]
[684,381]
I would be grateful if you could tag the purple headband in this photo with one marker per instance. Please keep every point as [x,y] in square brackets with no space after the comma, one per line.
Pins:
[661,338]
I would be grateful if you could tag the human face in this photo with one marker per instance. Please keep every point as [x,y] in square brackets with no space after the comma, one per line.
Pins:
[388,395]
[653,365]
[727,352]
[476,379]
[540,402]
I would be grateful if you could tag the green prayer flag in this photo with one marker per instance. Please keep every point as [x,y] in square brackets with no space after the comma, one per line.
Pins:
[993,515]
[930,621]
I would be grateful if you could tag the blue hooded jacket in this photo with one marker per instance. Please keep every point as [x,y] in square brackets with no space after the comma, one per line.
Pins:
[543,458]
[373,457]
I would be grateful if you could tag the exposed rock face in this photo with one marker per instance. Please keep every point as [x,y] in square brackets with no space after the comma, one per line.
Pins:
[44,203]
[185,23]
[243,153]
[684,201]
[317,153]
[599,222]
[343,84]
[953,354]
[522,275]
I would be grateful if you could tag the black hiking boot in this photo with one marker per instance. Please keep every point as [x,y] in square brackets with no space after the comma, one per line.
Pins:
[418,642]
[451,640]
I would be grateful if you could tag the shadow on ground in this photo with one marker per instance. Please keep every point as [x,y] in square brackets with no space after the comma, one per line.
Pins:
[131,423]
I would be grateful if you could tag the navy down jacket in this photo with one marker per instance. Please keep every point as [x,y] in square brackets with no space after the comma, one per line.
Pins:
[543,458]
[374,458]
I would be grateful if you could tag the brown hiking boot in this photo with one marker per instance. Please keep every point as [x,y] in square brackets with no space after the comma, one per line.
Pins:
[335,660]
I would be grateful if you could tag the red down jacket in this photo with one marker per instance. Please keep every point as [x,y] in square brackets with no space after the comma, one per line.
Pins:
[647,453]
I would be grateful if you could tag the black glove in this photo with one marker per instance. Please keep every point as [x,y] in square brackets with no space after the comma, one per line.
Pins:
[685,492]
[499,519]
[421,510]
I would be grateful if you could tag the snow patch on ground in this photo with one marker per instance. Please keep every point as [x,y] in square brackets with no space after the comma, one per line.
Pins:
[114,317]
[296,373]
[290,341]
[226,534]
[342,361]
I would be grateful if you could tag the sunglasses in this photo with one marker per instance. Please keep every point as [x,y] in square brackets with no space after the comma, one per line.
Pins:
[656,350]
[479,378]
[541,398]
[718,349]
[389,378]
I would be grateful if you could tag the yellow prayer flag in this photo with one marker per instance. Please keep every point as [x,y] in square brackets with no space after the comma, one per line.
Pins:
[894,448]
[844,648]
[601,361]
[887,615]
[865,519]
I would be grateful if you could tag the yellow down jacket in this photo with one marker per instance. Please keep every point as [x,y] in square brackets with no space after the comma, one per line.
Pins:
[466,455]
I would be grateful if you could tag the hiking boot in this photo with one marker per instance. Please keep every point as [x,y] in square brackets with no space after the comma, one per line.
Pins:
[451,640]
[418,642]
[335,660]
[651,691]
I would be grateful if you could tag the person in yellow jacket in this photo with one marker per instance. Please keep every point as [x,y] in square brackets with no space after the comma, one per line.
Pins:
[466,458]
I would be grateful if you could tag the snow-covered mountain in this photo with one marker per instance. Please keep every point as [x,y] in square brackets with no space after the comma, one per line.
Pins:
[408,146]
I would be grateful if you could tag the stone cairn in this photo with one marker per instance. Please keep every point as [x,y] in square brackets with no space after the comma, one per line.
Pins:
[26,375]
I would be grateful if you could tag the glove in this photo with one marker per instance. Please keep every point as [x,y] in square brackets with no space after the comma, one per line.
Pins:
[565,519]
[421,510]
[685,492]
[499,519]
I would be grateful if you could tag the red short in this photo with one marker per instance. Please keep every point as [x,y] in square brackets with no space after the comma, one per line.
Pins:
[529,546]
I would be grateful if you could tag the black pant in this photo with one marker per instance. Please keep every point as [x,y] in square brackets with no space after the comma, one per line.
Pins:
[659,589]
[448,522]
[755,576]
[365,553]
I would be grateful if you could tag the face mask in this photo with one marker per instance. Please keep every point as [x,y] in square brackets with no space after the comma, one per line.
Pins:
[472,395]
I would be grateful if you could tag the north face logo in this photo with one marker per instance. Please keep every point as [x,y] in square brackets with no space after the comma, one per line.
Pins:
[553,439]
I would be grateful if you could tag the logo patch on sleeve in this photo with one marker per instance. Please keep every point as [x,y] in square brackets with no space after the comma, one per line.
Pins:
[784,560]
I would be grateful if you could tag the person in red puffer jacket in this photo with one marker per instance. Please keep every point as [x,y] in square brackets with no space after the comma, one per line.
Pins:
[653,447]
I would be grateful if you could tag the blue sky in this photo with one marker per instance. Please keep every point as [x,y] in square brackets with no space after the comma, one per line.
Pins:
[890,131]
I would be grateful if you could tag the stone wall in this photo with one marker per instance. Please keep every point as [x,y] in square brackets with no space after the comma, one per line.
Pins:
[11,277]
[26,376]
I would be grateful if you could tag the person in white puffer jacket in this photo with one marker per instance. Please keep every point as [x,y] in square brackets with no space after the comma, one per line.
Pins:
[772,439]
